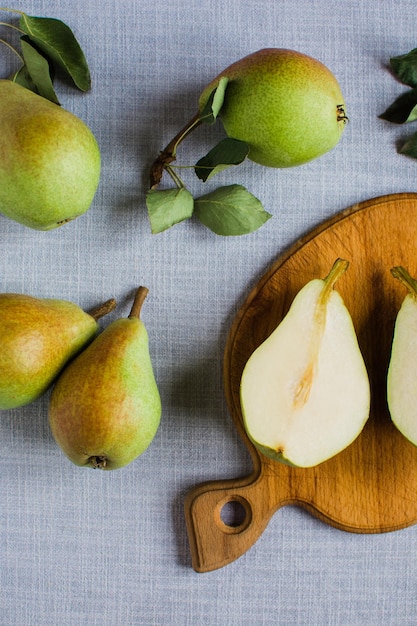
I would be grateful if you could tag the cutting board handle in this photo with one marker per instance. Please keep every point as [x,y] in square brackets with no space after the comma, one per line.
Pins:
[224,519]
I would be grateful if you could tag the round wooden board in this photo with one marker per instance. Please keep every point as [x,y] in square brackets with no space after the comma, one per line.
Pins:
[372,485]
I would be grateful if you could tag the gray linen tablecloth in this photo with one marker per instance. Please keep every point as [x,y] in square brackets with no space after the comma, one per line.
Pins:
[80,547]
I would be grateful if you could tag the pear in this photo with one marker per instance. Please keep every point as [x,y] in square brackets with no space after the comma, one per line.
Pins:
[38,337]
[305,392]
[402,369]
[105,408]
[287,106]
[49,160]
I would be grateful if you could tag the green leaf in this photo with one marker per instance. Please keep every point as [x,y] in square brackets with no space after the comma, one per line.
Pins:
[57,41]
[405,67]
[38,70]
[22,77]
[403,109]
[167,207]
[231,210]
[410,147]
[226,153]
[215,102]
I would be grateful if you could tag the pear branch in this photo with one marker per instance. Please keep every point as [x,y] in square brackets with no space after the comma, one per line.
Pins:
[8,45]
[103,309]
[140,296]
[19,30]
[169,153]
[8,10]
[12,26]
[177,180]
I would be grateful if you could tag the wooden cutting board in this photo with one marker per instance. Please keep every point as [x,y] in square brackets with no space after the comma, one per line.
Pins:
[371,487]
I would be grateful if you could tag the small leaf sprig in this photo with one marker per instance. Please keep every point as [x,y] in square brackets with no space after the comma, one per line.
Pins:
[404,108]
[228,210]
[47,44]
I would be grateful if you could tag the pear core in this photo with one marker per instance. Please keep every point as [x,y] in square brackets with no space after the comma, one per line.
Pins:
[287,106]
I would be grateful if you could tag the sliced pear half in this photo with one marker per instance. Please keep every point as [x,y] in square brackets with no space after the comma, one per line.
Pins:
[402,370]
[305,392]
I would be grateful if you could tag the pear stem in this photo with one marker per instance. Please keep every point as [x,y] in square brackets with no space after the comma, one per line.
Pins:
[140,296]
[405,278]
[103,309]
[339,267]
[169,153]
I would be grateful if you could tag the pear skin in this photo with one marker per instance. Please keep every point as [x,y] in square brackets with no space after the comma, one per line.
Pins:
[287,106]
[49,160]
[38,337]
[105,408]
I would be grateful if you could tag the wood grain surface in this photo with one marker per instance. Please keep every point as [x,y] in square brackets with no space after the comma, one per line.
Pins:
[370,487]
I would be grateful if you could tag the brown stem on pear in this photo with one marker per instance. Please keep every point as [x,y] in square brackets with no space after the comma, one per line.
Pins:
[404,277]
[140,296]
[98,462]
[168,154]
[103,309]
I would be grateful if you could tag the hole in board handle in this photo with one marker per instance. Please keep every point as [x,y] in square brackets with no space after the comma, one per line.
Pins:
[233,514]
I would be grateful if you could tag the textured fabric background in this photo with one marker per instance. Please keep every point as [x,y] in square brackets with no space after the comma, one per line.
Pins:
[109,549]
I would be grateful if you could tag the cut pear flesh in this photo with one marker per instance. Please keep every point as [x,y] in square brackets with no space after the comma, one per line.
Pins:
[305,392]
[402,370]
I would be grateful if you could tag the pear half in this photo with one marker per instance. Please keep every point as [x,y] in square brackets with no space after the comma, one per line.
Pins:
[305,392]
[402,370]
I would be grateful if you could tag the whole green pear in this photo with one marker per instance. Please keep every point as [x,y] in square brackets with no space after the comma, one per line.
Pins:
[105,408]
[37,338]
[285,105]
[49,160]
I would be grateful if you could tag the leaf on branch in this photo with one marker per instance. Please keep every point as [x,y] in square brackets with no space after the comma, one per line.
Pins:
[410,147]
[403,109]
[215,102]
[22,77]
[37,70]
[57,41]
[226,153]
[167,207]
[405,67]
[231,210]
